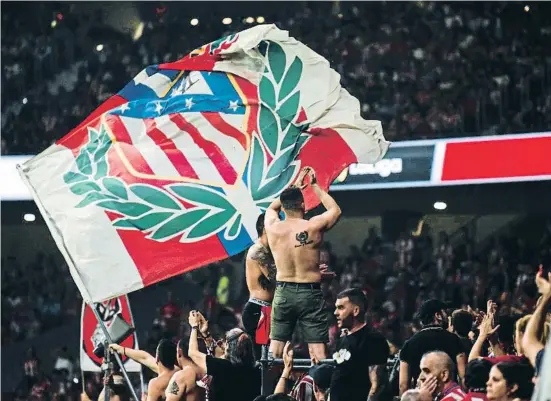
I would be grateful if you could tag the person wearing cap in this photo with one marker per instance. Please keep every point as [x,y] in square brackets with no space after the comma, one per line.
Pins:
[315,385]
[433,336]
[476,377]
[362,352]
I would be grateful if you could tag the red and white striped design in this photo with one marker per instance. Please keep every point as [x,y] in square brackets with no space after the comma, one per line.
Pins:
[456,394]
[209,147]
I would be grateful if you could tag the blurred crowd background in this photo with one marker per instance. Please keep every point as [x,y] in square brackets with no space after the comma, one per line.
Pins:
[425,69]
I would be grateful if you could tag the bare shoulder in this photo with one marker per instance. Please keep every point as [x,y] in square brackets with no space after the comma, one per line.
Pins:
[275,225]
[155,386]
[254,250]
[259,254]
[316,223]
[188,374]
[183,379]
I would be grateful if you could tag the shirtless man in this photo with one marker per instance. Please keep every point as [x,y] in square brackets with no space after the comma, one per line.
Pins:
[183,384]
[164,364]
[295,245]
[260,272]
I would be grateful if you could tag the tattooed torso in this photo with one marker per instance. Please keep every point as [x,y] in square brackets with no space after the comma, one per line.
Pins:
[260,272]
[264,257]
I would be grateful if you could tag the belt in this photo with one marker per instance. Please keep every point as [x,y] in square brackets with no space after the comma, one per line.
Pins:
[309,286]
[259,302]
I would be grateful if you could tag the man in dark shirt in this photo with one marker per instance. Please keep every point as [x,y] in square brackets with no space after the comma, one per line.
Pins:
[359,350]
[432,337]
[461,323]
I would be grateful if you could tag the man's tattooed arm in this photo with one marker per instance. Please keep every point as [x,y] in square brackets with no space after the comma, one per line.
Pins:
[262,256]
[173,388]
[267,266]
[376,373]
[265,260]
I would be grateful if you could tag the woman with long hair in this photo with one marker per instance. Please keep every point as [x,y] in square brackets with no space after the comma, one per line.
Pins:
[509,381]
[234,377]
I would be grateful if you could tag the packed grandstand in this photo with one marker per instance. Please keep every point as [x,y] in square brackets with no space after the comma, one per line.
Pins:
[427,70]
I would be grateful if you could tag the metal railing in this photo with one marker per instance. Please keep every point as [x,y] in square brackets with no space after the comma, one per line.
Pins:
[267,361]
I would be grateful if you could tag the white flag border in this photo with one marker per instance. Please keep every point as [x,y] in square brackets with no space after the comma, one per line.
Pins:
[57,236]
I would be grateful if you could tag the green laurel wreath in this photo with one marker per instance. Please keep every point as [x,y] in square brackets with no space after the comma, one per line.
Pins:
[157,211]
[280,135]
[160,211]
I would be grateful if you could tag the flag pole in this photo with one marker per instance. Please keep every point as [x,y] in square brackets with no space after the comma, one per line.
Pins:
[117,356]
[107,372]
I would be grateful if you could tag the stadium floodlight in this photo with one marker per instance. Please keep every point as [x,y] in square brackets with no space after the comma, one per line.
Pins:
[226,21]
[260,20]
[194,22]
[440,205]
[29,217]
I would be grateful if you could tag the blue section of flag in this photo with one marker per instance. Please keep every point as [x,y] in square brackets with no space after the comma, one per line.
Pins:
[219,84]
[143,102]
[134,91]
[245,175]
[237,245]
[170,74]
[149,108]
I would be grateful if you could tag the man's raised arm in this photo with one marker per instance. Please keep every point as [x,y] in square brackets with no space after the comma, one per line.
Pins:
[272,214]
[329,218]
[137,355]
[531,340]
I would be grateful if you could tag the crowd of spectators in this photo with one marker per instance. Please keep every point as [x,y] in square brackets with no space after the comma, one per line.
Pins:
[397,277]
[426,69]
[37,296]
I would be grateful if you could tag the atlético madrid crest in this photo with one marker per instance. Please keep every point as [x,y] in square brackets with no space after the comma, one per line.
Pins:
[194,154]
[92,334]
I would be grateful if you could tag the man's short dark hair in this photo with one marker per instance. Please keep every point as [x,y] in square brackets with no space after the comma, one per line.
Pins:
[292,199]
[462,322]
[260,224]
[429,309]
[183,345]
[356,297]
[477,374]
[166,351]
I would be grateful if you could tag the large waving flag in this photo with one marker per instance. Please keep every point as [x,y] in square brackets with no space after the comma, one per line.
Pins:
[171,173]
